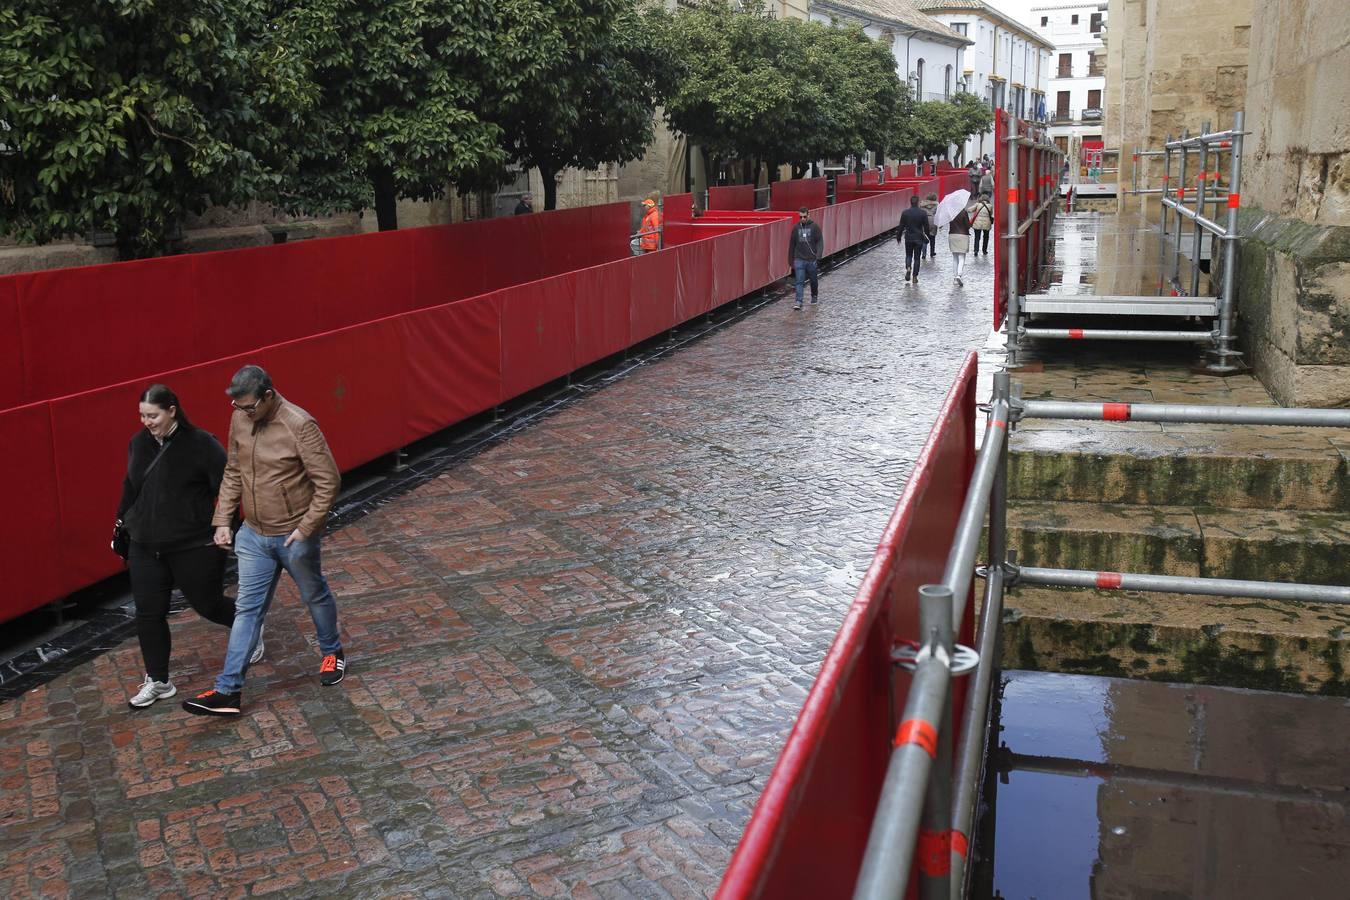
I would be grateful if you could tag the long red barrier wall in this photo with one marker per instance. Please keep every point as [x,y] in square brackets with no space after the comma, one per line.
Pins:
[380,364]
[732,196]
[138,318]
[808,832]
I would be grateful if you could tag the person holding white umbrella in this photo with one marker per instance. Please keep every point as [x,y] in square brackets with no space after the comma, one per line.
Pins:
[952,213]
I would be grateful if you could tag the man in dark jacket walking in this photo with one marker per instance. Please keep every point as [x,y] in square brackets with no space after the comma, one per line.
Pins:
[913,231]
[805,248]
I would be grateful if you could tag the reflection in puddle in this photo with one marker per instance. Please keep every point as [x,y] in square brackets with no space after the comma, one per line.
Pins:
[1113,788]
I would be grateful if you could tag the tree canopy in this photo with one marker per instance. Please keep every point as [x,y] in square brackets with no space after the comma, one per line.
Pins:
[746,85]
[123,115]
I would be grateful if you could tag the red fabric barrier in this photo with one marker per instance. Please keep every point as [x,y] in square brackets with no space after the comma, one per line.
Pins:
[374,385]
[538,334]
[210,305]
[677,207]
[792,195]
[678,233]
[732,196]
[1000,218]
[871,177]
[11,344]
[451,362]
[809,829]
[602,324]
[30,541]
[653,279]
[86,327]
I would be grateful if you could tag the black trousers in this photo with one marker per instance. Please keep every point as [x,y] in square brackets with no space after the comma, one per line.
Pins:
[980,236]
[199,572]
[913,253]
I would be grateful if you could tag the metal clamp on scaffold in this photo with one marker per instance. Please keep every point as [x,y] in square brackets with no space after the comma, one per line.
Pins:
[909,654]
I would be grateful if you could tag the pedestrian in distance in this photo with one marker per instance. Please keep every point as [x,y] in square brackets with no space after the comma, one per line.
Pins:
[981,221]
[280,468]
[930,205]
[805,247]
[649,235]
[526,205]
[974,172]
[958,242]
[987,182]
[913,231]
[164,533]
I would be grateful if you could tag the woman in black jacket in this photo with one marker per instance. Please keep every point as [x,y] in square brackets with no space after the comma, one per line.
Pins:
[168,497]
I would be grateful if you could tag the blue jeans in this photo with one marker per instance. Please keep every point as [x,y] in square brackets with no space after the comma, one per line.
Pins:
[261,561]
[804,269]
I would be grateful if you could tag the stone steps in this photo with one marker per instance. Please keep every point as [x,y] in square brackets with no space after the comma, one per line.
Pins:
[1246,467]
[1260,644]
[1255,544]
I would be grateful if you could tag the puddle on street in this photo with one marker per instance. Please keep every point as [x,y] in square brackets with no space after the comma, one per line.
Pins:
[1114,788]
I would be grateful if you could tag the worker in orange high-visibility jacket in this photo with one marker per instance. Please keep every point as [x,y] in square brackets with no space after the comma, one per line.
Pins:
[649,235]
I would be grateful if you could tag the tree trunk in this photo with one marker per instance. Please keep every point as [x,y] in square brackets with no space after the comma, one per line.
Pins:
[548,175]
[773,172]
[386,200]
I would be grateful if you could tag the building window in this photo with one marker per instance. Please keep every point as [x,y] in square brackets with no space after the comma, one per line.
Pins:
[1062,105]
[947,85]
[1094,99]
[1073,20]
[1096,23]
[1045,20]
[959,28]
[918,80]
[1066,65]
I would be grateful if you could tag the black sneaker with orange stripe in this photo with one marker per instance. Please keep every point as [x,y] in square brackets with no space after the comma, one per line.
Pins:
[331,670]
[213,703]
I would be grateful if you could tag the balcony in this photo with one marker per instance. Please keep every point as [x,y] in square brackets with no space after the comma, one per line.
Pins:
[1090,116]
[1064,72]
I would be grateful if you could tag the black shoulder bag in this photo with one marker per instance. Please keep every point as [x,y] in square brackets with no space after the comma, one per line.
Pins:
[121,539]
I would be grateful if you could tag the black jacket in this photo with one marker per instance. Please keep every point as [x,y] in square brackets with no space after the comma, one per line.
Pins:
[806,242]
[913,226]
[173,507]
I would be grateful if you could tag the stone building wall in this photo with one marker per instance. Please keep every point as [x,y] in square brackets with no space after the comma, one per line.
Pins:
[1172,65]
[1294,285]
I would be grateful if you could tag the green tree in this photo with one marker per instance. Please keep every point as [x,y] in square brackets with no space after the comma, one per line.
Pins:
[596,108]
[746,85]
[415,94]
[124,115]
[973,117]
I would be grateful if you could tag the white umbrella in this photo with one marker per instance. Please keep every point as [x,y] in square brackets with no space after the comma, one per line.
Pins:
[951,207]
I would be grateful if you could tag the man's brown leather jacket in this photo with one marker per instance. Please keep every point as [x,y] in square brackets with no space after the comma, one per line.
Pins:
[282,471]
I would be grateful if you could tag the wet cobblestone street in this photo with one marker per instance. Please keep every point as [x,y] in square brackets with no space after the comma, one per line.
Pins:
[573,658]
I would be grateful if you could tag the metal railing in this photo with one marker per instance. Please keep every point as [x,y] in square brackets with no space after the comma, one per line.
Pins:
[1209,147]
[922,814]
[1047,161]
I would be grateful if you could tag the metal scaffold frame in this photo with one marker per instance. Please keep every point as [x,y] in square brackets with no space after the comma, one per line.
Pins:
[1027,166]
[1219,310]
[926,809]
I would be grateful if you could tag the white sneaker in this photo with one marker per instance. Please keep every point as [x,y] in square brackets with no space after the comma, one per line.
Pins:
[151,691]
[257,654]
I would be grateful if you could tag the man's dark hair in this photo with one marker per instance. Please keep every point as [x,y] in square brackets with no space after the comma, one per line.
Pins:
[250,381]
[804,210]
[913,201]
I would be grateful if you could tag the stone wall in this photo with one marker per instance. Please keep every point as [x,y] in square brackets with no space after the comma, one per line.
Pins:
[1294,266]
[1171,65]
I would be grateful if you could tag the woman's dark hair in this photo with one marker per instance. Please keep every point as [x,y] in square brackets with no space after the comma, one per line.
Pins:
[161,396]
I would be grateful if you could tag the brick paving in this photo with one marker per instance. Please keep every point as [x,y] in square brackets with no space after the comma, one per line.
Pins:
[573,658]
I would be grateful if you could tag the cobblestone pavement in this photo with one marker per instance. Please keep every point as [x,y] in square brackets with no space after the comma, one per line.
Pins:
[573,658]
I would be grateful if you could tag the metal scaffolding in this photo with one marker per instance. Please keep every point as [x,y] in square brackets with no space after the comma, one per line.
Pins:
[927,805]
[1194,223]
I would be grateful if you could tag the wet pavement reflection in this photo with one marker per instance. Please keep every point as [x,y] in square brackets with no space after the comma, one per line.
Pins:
[1110,787]
[1116,255]
[572,658]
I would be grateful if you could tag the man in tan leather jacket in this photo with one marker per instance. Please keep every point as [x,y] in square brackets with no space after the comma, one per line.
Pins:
[280,470]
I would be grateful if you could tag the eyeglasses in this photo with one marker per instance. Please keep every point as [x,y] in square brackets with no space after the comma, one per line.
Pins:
[250,407]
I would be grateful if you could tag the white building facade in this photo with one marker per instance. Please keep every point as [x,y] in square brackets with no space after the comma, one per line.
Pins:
[929,56]
[1007,66]
[1078,75]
